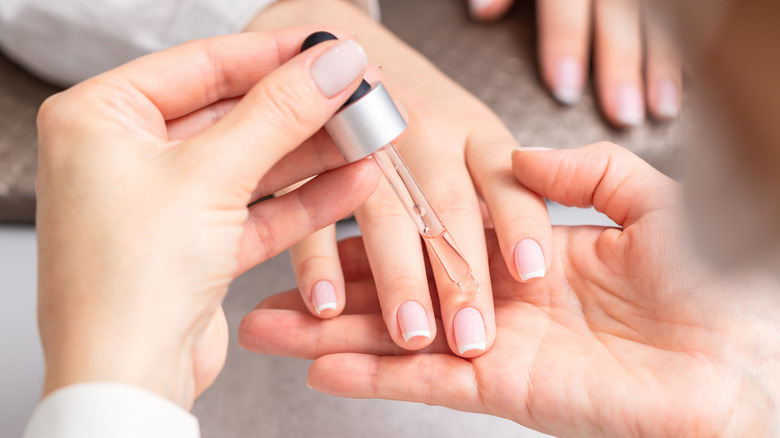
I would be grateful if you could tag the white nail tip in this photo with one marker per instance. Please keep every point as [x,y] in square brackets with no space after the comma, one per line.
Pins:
[668,110]
[567,96]
[533,274]
[413,334]
[631,117]
[468,347]
[325,306]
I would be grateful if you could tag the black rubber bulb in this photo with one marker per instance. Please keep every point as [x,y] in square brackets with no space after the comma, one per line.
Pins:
[319,37]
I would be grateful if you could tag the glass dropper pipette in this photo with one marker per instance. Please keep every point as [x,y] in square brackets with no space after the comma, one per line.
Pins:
[366,125]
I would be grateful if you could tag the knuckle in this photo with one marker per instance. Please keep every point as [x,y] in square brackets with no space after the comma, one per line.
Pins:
[313,264]
[406,282]
[455,202]
[382,208]
[264,236]
[282,107]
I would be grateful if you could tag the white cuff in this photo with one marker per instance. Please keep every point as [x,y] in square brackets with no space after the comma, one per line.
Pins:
[88,410]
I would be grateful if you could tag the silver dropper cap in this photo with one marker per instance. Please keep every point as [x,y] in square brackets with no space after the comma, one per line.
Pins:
[366,125]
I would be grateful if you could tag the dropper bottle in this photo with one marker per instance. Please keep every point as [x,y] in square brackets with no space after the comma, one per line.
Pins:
[366,125]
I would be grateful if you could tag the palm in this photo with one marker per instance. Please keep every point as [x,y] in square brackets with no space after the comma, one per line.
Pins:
[626,335]
[602,334]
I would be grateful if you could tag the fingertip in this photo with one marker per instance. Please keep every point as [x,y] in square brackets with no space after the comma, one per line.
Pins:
[245,329]
[568,80]
[414,324]
[629,108]
[529,260]
[469,332]
[665,104]
[488,10]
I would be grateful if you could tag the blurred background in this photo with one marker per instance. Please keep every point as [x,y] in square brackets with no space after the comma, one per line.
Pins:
[263,395]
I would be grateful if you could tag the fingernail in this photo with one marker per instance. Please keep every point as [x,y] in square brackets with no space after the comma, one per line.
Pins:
[568,80]
[323,296]
[529,259]
[337,68]
[630,108]
[413,320]
[531,149]
[477,6]
[469,330]
[668,100]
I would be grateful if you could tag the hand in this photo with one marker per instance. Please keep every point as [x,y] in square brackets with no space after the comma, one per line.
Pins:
[143,192]
[618,29]
[456,149]
[626,336]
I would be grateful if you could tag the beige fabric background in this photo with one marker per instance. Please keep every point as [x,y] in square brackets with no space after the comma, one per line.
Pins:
[495,62]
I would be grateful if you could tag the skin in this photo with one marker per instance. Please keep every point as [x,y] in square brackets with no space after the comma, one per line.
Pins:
[142,203]
[456,148]
[629,49]
[628,335]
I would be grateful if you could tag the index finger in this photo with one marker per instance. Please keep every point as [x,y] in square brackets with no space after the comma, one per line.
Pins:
[185,78]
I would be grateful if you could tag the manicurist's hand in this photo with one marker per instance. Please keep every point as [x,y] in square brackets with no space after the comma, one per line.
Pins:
[456,148]
[145,175]
[625,38]
[627,335]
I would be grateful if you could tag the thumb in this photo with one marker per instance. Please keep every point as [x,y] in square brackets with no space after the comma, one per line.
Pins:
[603,175]
[279,113]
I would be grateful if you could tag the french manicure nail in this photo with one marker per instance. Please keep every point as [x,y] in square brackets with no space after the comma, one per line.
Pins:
[529,259]
[668,100]
[630,108]
[477,6]
[335,69]
[469,330]
[413,320]
[568,80]
[323,296]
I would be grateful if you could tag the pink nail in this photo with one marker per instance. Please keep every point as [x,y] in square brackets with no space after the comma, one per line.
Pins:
[668,100]
[413,320]
[477,6]
[568,80]
[630,107]
[469,330]
[529,259]
[323,296]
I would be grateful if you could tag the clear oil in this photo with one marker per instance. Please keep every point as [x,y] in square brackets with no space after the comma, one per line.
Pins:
[458,269]
[440,241]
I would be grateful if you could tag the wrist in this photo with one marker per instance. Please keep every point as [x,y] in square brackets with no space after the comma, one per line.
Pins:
[150,363]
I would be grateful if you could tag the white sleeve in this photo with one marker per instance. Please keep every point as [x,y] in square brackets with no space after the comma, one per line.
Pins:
[67,41]
[98,410]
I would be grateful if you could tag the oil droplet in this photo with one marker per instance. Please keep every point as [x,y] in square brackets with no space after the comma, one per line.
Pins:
[469,288]
[418,210]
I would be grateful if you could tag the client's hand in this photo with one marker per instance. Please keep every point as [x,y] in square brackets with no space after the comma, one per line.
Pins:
[456,148]
[143,191]
[626,336]
[634,61]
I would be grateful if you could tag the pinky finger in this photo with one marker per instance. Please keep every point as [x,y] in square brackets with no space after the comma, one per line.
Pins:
[315,260]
